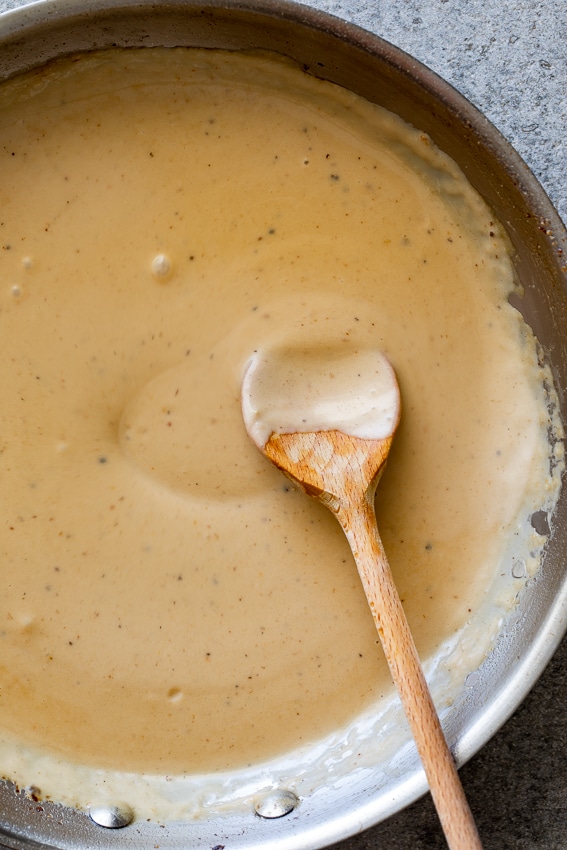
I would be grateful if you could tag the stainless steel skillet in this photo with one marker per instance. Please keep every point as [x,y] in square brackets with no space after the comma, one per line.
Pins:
[331,49]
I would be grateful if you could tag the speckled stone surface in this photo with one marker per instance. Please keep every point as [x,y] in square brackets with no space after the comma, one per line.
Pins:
[509,58]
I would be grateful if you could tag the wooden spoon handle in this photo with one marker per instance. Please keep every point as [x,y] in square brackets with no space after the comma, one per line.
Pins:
[359,525]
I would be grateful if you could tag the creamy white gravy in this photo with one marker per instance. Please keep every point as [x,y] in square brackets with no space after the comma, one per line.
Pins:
[168,599]
[293,390]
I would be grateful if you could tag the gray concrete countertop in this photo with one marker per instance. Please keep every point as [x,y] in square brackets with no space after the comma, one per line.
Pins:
[510,60]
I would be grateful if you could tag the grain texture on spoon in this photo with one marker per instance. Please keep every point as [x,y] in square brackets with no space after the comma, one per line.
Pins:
[342,471]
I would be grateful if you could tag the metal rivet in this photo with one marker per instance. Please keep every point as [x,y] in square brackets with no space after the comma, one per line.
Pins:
[276,804]
[112,817]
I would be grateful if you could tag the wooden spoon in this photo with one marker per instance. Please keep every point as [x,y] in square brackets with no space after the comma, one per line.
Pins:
[342,472]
